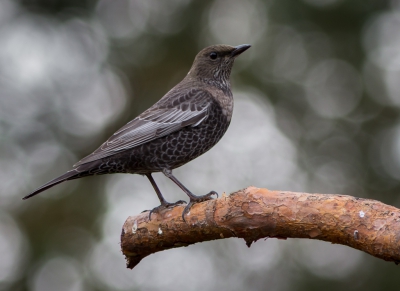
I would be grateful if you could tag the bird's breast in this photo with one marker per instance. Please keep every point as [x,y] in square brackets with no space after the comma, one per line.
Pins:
[225,100]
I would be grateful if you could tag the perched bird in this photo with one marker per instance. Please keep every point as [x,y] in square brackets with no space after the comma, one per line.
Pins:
[188,121]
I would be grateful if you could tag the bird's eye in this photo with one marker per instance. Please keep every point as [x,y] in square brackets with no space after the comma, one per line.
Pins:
[213,55]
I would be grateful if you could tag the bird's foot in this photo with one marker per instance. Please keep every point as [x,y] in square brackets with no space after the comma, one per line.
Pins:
[165,205]
[197,199]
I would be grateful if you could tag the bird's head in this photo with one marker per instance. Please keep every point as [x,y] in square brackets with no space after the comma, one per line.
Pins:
[214,63]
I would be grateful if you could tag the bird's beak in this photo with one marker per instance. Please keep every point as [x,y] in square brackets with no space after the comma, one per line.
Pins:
[239,49]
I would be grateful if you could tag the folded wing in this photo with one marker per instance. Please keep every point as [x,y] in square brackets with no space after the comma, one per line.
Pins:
[186,109]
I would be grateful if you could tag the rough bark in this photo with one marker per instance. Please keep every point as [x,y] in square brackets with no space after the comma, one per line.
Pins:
[255,213]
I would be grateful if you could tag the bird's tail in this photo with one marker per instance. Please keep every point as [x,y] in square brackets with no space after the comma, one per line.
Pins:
[73,174]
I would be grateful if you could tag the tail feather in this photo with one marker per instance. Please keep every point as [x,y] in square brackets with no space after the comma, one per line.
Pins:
[73,174]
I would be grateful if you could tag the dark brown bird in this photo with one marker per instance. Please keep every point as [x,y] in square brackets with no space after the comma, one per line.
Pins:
[188,121]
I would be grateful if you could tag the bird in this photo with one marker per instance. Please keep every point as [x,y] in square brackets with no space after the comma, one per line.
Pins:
[185,123]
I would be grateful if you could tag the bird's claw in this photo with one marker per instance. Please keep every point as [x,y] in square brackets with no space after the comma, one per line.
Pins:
[197,199]
[165,205]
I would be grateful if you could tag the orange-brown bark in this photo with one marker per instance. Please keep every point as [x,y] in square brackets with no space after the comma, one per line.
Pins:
[254,213]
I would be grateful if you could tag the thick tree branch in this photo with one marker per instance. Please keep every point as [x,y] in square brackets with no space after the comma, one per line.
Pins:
[254,213]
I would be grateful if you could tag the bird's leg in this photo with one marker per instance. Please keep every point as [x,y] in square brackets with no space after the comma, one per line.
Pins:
[164,203]
[193,198]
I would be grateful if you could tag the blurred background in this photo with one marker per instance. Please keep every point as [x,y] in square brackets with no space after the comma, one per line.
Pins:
[317,110]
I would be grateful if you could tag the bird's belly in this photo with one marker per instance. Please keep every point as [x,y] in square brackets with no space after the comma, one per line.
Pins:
[178,148]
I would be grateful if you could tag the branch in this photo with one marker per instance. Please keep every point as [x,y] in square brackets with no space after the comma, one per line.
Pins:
[255,213]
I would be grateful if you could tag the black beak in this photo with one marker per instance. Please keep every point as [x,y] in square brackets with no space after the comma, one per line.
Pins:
[239,49]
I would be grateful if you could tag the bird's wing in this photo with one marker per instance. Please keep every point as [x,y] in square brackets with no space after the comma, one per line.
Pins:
[171,113]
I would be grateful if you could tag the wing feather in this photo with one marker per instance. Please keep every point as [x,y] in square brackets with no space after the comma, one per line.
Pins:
[189,109]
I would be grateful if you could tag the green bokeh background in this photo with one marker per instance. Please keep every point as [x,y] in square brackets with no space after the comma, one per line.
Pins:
[318,111]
